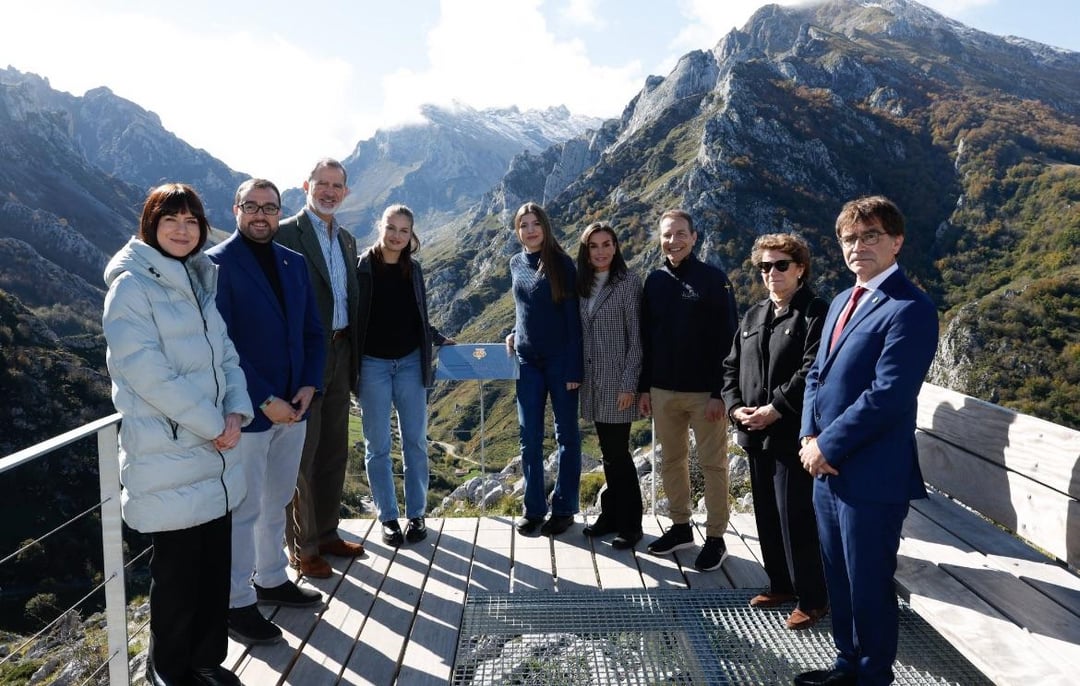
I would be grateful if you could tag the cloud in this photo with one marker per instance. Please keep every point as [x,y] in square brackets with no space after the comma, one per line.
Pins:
[490,53]
[218,88]
[955,8]
[583,13]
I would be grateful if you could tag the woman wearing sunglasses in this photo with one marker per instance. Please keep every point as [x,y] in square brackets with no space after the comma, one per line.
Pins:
[764,376]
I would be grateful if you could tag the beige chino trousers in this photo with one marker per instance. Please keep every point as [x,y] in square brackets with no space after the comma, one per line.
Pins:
[674,414]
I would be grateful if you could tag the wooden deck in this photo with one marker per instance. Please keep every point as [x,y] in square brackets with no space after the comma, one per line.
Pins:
[393,616]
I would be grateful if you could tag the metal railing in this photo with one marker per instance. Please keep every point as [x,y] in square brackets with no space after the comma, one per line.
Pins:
[112,543]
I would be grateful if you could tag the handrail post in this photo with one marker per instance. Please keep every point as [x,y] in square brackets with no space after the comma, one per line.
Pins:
[112,547]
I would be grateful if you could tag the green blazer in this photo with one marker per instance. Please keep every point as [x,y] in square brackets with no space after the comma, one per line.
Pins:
[298,233]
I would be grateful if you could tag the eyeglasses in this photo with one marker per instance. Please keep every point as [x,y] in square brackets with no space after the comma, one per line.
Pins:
[867,238]
[781,266]
[268,209]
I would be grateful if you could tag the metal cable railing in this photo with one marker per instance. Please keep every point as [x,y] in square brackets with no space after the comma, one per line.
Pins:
[113,566]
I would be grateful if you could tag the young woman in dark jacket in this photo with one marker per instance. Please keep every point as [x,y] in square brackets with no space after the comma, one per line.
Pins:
[396,340]
[764,378]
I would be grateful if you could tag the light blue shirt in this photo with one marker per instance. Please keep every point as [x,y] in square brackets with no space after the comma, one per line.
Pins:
[332,254]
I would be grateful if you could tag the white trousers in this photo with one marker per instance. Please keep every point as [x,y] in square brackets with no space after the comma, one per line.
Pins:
[271,460]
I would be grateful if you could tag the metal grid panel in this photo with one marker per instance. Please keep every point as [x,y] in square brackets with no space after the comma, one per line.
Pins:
[665,637]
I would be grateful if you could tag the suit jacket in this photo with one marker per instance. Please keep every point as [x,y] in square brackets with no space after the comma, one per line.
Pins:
[298,233]
[611,333]
[280,350]
[861,396]
[768,364]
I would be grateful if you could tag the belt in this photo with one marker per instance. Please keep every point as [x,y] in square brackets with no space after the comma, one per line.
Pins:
[339,334]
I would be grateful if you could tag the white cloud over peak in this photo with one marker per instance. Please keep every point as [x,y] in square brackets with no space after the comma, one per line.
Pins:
[491,54]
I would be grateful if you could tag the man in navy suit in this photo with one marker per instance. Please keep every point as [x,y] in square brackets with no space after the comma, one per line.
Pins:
[858,438]
[267,302]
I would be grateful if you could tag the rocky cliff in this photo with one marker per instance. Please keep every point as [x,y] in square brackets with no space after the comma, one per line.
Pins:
[975,136]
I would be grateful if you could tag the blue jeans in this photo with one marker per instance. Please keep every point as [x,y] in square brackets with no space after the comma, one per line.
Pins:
[399,382]
[534,385]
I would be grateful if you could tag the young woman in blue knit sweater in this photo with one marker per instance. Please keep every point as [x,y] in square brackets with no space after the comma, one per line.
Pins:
[547,341]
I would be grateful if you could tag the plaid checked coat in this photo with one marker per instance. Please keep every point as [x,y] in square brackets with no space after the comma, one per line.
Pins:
[612,343]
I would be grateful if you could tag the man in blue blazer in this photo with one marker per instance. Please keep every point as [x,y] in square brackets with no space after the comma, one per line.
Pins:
[267,302]
[858,438]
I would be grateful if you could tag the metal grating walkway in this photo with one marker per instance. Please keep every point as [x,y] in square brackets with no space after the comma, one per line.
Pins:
[666,637]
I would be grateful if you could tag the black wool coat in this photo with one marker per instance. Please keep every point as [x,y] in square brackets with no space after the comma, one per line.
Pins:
[768,363]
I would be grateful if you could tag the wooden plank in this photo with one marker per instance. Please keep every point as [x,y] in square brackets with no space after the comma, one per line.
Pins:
[1007,553]
[1042,515]
[940,593]
[532,564]
[264,663]
[429,654]
[658,571]
[328,647]
[616,569]
[574,566]
[492,556]
[745,527]
[382,638]
[994,645]
[741,567]
[1038,449]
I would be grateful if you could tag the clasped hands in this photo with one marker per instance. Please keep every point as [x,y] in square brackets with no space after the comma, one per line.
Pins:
[281,411]
[813,460]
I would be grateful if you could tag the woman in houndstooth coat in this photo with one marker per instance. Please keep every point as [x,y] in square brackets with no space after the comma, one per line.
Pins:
[610,302]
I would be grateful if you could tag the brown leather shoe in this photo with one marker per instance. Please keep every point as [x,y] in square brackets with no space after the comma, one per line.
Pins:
[314,566]
[769,599]
[341,548]
[804,619]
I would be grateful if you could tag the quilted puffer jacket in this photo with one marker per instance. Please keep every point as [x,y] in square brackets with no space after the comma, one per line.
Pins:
[175,377]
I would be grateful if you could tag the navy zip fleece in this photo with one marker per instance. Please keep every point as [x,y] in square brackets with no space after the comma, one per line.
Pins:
[688,320]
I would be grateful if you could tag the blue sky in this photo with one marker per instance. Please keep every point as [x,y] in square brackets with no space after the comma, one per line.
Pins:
[268,87]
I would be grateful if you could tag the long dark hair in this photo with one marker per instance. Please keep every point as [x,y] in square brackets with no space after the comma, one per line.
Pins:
[585,272]
[551,253]
[166,199]
[414,242]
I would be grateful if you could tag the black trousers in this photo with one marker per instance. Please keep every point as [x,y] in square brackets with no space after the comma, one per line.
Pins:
[620,503]
[189,598]
[787,527]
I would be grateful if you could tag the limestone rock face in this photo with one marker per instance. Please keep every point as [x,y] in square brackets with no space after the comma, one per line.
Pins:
[442,166]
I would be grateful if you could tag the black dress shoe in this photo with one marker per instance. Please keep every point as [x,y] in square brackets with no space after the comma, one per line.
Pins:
[527,526]
[287,594]
[625,540]
[391,533]
[556,524]
[826,677]
[416,531]
[601,527]
[214,676]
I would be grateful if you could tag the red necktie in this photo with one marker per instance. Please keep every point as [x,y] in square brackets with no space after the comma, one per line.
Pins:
[856,293]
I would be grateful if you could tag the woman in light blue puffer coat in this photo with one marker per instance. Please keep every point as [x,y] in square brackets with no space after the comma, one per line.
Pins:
[177,382]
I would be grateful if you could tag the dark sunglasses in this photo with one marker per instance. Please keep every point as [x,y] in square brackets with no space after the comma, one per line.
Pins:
[781,266]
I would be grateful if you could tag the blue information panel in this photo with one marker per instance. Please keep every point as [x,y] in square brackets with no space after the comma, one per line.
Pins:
[475,361]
